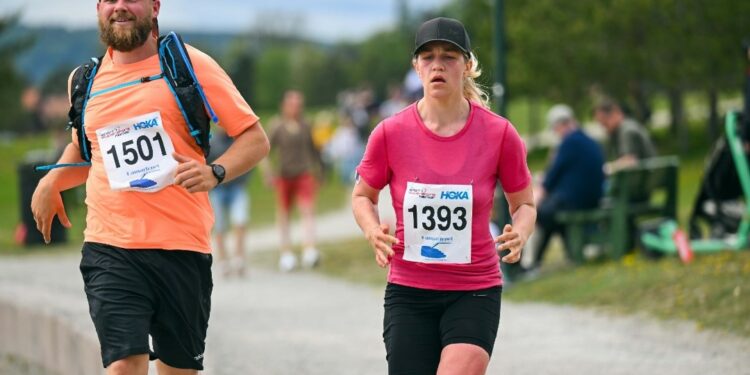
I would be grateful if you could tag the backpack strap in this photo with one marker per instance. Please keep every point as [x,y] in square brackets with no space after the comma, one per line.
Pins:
[80,88]
[178,72]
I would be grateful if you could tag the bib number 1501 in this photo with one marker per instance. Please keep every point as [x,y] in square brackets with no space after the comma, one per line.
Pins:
[441,217]
[140,148]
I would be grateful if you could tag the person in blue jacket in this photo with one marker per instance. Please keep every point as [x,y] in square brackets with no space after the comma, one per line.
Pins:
[574,179]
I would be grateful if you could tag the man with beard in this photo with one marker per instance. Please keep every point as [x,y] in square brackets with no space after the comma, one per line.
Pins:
[146,260]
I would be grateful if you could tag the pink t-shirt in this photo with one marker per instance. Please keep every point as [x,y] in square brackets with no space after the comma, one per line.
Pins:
[402,149]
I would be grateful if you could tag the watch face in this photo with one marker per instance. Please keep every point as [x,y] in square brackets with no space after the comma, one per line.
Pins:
[218,171]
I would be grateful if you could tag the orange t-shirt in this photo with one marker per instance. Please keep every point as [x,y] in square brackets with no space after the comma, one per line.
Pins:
[171,218]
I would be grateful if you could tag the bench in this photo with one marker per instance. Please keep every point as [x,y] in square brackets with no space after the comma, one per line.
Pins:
[646,190]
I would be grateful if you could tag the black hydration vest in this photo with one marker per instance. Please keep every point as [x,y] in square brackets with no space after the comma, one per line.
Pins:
[176,69]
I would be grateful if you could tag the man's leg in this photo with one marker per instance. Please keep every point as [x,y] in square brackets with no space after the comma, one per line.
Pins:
[239,207]
[284,189]
[165,369]
[546,225]
[218,203]
[132,365]
[182,280]
[306,193]
[121,306]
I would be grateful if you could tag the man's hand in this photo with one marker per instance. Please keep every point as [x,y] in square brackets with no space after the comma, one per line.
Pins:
[193,175]
[46,202]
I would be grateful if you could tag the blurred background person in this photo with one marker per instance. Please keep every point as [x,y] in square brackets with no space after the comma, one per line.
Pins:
[345,149]
[295,164]
[231,204]
[573,181]
[412,86]
[395,102]
[628,141]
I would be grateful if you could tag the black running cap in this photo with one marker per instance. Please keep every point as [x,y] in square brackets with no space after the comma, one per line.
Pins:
[445,30]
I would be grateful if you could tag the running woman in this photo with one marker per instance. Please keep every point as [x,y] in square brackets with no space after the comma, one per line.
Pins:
[442,158]
[146,259]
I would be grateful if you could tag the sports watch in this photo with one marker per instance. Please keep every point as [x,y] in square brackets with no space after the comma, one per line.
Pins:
[219,172]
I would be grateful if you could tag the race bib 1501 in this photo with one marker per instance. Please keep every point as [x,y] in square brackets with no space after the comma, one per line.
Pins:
[137,154]
[437,223]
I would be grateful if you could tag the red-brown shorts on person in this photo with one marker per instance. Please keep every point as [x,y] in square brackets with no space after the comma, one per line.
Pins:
[301,188]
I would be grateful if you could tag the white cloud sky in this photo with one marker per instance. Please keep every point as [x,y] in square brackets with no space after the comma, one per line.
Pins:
[328,20]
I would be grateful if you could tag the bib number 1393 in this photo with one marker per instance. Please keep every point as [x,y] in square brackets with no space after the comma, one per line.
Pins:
[437,223]
[442,217]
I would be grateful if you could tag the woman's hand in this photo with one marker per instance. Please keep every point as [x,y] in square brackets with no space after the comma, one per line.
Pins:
[510,240]
[381,242]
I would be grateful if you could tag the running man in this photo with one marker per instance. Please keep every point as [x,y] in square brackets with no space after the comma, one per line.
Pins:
[146,257]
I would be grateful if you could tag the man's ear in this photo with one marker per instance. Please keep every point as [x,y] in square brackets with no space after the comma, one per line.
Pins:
[156,6]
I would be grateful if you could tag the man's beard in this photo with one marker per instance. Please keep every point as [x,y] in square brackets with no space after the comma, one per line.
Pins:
[125,40]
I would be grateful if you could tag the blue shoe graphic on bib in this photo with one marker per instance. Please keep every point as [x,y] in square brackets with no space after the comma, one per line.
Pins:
[142,183]
[432,251]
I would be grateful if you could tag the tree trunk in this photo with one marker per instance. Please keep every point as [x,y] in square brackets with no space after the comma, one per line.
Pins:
[533,116]
[679,126]
[642,110]
[713,114]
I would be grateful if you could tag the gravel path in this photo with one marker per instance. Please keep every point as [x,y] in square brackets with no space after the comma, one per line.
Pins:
[304,323]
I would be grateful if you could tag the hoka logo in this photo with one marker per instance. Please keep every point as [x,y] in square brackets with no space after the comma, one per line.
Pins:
[150,123]
[455,195]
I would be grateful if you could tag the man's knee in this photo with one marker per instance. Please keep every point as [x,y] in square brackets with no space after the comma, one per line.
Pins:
[165,369]
[132,365]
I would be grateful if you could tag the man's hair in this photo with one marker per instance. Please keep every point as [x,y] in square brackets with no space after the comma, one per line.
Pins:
[607,105]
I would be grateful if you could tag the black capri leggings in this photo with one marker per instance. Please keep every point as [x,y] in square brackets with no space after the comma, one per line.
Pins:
[419,323]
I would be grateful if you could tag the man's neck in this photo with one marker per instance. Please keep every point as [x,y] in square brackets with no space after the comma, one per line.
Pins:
[143,52]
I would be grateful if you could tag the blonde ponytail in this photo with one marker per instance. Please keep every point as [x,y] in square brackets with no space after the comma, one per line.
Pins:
[473,91]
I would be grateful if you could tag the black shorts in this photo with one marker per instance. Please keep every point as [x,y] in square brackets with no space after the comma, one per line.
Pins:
[136,293]
[419,323]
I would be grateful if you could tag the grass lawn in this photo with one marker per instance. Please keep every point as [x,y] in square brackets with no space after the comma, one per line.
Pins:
[713,290]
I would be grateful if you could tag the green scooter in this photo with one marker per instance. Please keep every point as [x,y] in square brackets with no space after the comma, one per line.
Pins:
[669,239]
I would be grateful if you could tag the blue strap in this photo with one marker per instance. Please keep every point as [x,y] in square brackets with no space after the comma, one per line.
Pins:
[211,112]
[40,168]
[91,76]
[125,84]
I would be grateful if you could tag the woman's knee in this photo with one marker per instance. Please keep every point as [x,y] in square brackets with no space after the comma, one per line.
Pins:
[464,359]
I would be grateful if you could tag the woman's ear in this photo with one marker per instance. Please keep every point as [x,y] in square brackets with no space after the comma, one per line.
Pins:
[469,65]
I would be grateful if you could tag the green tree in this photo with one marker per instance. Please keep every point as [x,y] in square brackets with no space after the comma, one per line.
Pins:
[241,64]
[629,49]
[381,59]
[14,117]
[273,77]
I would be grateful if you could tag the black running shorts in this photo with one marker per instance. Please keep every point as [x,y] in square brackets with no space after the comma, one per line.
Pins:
[419,323]
[136,293]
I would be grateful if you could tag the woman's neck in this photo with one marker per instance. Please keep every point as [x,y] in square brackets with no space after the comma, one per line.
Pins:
[444,118]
